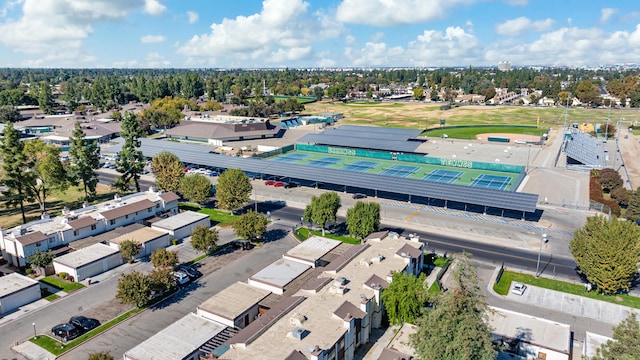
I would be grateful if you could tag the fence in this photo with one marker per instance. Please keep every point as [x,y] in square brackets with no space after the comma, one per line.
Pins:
[441,273]
[279,151]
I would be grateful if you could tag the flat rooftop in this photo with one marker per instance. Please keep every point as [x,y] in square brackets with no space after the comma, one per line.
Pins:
[178,221]
[177,340]
[313,248]
[592,342]
[14,282]
[234,300]
[536,331]
[320,312]
[140,236]
[86,255]
[280,273]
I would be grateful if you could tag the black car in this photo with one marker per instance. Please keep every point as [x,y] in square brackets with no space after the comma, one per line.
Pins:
[84,324]
[189,270]
[65,331]
[359,196]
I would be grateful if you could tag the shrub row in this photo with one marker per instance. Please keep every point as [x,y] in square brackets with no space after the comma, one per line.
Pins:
[596,194]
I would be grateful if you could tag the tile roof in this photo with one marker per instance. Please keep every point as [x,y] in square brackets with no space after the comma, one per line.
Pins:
[31,238]
[410,251]
[82,222]
[169,196]
[346,309]
[128,209]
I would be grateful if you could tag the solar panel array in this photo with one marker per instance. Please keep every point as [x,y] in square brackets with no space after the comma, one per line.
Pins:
[366,137]
[586,149]
[199,154]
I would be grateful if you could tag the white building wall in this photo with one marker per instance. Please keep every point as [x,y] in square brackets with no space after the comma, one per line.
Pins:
[150,246]
[20,298]
[98,267]
[214,317]
[59,268]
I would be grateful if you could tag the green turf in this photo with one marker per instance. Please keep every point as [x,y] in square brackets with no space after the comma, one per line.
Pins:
[471,133]
[218,217]
[302,234]
[301,99]
[504,285]
[51,297]
[63,285]
[465,179]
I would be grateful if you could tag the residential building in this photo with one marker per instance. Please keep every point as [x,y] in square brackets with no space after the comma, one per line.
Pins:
[17,290]
[87,262]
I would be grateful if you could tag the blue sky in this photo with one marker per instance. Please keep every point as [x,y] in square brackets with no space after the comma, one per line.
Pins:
[316,33]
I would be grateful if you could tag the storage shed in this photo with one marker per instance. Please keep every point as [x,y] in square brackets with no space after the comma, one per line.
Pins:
[182,225]
[235,306]
[148,240]
[278,275]
[311,250]
[89,261]
[17,290]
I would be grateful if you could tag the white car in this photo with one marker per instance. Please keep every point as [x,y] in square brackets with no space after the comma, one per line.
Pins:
[518,288]
[181,277]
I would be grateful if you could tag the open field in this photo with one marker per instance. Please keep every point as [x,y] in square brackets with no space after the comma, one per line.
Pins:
[427,115]
[473,132]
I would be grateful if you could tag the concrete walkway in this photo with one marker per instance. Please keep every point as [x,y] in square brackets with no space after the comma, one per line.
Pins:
[33,351]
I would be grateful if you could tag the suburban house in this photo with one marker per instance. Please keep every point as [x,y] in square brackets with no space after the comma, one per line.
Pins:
[56,233]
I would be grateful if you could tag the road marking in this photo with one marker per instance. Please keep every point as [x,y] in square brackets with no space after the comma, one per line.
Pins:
[412,215]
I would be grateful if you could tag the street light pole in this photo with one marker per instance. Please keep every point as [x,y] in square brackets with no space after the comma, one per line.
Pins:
[35,335]
[543,239]
[526,170]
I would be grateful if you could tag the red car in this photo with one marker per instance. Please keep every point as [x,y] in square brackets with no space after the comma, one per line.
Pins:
[269,182]
[279,184]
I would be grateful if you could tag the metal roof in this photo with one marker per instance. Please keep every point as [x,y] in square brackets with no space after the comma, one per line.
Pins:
[361,142]
[199,154]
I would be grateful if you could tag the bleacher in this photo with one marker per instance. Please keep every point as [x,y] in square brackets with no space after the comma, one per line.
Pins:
[583,149]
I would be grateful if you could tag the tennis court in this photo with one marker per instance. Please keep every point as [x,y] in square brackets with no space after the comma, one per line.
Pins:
[491,182]
[443,176]
[324,161]
[360,166]
[291,157]
[400,170]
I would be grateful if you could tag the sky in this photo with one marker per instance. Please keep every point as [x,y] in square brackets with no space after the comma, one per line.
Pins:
[317,33]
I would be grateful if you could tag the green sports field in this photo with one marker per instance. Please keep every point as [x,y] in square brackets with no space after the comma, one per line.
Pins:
[404,169]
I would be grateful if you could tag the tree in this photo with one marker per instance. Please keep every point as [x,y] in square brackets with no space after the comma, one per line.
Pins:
[129,249]
[131,161]
[608,130]
[621,196]
[160,280]
[457,327]
[610,179]
[204,239]
[250,226]
[134,288]
[45,99]
[84,156]
[233,189]
[46,172]
[318,92]
[323,209]
[15,168]
[196,188]
[405,298]
[102,355]
[625,344]
[8,113]
[162,258]
[363,219]
[607,252]
[418,93]
[41,259]
[587,93]
[633,210]
[168,169]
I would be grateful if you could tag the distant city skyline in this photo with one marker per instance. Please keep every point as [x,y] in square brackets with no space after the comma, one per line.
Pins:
[316,34]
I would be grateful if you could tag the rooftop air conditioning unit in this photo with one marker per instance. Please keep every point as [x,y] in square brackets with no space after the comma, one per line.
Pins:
[299,333]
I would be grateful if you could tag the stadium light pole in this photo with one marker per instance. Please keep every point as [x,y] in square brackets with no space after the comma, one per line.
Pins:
[526,170]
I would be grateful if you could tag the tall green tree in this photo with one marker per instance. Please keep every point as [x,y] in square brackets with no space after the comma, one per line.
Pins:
[457,327]
[168,169]
[129,249]
[607,253]
[8,113]
[85,160]
[16,170]
[47,172]
[233,189]
[625,344]
[41,259]
[250,226]
[610,179]
[363,219]
[131,161]
[405,298]
[45,98]
[204,239]
[163,258]
[196,188]
[633,210]
[323,209]
[134,288]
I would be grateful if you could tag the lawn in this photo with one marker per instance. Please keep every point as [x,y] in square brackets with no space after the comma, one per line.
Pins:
[218,217]
[504,285]
[66,286]
[303,233]
[472,133]
[56,347]
[51,297]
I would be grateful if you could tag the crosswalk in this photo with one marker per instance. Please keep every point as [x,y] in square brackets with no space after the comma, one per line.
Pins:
[471,215]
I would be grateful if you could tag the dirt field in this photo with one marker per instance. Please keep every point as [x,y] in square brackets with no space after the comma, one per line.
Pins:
[512,137]
[630,148]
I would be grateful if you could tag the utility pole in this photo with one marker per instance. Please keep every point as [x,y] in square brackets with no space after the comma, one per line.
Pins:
[543,239]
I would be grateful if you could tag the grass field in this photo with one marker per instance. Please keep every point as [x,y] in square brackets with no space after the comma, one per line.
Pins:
[218,217]
[427,115]
[301,99]
[472,133]
[63,285]
[466,179]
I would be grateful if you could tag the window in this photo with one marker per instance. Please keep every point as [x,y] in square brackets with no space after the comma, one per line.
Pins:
[126,216]
[76,232]
[112,222]
[149,210]
[93,227]
[157,206]
[52,239]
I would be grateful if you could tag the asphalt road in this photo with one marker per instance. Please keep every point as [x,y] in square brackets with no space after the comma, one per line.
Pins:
[107,177]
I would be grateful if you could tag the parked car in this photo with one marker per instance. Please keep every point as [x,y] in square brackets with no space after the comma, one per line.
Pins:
[269,182]
[518,288]
[292,185]
[65,331]
[84,324]
[279,184]
[359,196]
[242,245]
[181,277]
[189,270]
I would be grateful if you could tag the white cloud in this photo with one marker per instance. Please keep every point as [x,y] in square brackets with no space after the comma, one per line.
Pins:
[521,25]
[349,39]
[605,14]
[155,60]
[280,32]
[326,63]
[149,39]
[126,64]
[61,28]
[394,12]
[154,7]
[193,17]
[377,36]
